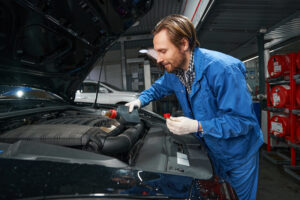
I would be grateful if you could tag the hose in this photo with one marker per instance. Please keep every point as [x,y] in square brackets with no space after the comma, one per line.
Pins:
[123,142]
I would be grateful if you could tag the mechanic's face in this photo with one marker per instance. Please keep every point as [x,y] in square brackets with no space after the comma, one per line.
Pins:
[168,55]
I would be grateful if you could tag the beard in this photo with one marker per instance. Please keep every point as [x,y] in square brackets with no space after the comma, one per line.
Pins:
[178,65]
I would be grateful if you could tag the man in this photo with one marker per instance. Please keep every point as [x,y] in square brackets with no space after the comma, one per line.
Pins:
[211,89]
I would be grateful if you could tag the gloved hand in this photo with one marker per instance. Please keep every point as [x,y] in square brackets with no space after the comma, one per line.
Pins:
[132,104]
[182,125]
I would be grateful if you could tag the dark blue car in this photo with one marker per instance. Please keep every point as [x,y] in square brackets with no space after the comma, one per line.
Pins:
[51,148]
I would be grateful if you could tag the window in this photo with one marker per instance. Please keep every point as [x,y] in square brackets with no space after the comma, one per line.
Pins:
[103,90]
[89,88]
[92,88]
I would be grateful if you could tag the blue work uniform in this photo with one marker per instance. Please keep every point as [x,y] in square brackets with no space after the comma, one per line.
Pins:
[220,100]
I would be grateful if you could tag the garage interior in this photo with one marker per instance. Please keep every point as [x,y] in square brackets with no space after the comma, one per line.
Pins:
[252,31]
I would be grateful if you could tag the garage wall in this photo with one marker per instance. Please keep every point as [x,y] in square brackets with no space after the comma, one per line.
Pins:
[94,74]
[112,71]
[113,75]
[110,74]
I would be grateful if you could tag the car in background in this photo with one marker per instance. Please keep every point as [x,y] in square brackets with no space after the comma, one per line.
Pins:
[53,148]
[107,94]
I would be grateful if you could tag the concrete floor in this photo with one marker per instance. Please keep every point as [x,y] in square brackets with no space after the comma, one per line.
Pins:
[275,183]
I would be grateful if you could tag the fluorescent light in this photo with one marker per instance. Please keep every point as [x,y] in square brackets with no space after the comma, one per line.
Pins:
[152,53]
[143,51]
[250,59]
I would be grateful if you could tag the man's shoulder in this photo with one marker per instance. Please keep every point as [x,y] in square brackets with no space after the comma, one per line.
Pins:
[211,56]
[215,62]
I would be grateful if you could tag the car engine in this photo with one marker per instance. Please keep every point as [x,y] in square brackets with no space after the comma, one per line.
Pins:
[146,145]
[89,132]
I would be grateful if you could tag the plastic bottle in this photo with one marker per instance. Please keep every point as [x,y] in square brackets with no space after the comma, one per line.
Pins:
[122,114]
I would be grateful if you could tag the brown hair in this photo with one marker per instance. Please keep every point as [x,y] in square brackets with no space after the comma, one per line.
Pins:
[178,27]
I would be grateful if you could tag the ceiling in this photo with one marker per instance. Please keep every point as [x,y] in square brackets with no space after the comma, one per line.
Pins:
[231,26]
[160,9]
[140,35]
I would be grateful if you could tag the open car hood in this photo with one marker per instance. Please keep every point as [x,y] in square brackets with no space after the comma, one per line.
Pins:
[53,45]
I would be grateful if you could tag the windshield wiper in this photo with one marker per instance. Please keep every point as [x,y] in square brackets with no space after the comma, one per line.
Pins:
[10,105]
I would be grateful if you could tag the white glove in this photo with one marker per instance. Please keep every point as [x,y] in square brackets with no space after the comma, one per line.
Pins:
[182,125]
[132,104]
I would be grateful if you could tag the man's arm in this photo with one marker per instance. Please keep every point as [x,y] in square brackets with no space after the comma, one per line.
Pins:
[158,89]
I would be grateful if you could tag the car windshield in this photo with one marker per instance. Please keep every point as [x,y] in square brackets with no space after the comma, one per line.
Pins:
[21,92]
[17,98]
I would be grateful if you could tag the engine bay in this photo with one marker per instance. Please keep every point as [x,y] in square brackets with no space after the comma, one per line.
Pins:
[84,135]
[75,129]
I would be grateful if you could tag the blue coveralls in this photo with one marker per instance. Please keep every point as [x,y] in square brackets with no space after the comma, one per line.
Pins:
[221,102]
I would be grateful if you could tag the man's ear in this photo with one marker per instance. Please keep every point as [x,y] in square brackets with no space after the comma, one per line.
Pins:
[184,44]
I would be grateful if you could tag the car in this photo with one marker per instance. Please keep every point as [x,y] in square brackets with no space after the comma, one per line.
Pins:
[53,148]
[108,94]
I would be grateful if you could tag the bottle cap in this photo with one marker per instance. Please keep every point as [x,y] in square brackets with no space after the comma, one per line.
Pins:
[167,115]
[113,113]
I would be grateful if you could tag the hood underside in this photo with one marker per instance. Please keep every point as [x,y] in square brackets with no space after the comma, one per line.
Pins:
[53,45]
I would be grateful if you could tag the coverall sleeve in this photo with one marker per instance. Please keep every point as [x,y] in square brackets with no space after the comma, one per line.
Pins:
[158,89]
[235,114]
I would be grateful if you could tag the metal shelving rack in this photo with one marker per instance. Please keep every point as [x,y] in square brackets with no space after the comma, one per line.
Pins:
[292,110]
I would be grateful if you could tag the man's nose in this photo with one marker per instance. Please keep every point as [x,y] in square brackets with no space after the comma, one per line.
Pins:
[159,59]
